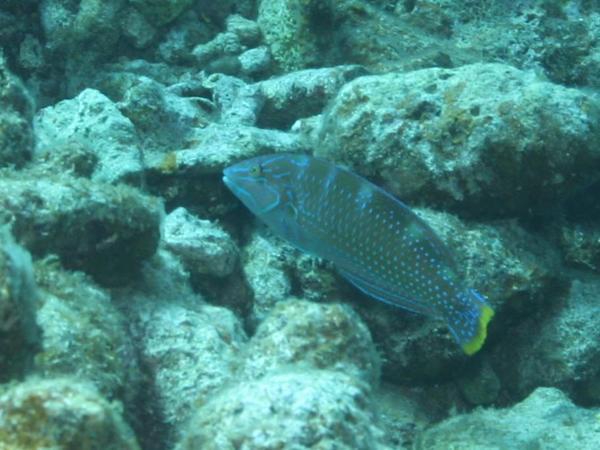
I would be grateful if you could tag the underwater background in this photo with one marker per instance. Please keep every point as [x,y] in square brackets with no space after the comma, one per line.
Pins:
[142,306]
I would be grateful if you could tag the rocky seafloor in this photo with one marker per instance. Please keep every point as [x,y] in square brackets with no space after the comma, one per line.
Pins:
[142,307]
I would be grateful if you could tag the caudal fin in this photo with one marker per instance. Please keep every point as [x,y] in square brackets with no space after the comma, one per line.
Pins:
[469,327]
[485,315]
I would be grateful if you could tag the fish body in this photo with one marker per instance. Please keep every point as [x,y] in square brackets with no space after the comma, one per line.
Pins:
[374,240]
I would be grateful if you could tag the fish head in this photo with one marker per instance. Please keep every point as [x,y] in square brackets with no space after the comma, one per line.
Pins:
[262,183]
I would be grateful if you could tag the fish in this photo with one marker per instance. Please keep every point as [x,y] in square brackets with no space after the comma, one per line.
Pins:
[374,240]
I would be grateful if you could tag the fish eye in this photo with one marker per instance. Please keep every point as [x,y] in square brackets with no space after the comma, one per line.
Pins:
[256,170]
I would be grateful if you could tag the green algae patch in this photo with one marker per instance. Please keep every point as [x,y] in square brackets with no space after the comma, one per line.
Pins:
[168,164]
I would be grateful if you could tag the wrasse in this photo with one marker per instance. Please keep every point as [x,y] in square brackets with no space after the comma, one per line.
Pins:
[375,241]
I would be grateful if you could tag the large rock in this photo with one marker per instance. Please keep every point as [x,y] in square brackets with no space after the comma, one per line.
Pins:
[558,39]
[307,334]
[299,410]
[485,139]
[188,348]
[192,352]
[91,24]
[546,420]
[204,247]
[300,94]
[558,347]
[104,230]
[83,333]
[162,119]
[265,272]
[61,413]
[92,121]
[286,26]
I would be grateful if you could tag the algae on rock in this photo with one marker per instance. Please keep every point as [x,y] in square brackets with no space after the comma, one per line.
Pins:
[61,413]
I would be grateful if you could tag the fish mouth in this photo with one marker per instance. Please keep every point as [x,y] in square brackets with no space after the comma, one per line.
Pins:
[230,181]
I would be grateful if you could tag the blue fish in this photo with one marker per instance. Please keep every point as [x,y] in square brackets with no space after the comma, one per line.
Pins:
[375,241]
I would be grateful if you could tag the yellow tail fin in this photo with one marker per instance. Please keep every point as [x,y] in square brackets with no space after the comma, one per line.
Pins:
[476,343]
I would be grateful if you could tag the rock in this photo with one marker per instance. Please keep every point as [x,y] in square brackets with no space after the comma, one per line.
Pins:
[31,53]
[300,410]
[483,137]
[136,29]
[94,122]
[316,278]
[272,267]
[83,333]
[72,158]
[388,37]
[16,115]
[219,55]
[223,45]
[557,39]
[546,419]
[162,119]
[580,244]
[183,35]
[162,278]
[246,30]
[190,349]
[590,66]
[255,61]
[227,65]
[480,387]
[115,79]
[218,146]
[104,230]
[91,24]
[61,413]
[161,12]
[295,31]
[402,414]
[237,103]
[192,353]
[306,334]
[301,94]
[430,16]
[19,331]
[558,347]
[204,247]
[286,27]
[265,272]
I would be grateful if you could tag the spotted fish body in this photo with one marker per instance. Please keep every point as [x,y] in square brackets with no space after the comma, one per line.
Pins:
[375,241]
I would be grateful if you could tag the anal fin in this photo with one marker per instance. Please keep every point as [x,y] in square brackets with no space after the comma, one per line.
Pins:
[384,294]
